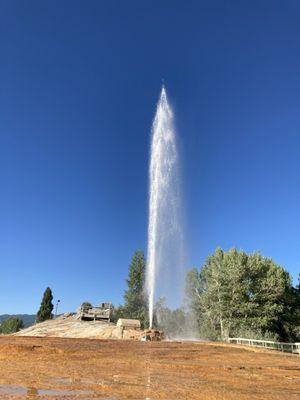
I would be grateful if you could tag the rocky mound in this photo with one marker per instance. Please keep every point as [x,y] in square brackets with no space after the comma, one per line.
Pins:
[70,327]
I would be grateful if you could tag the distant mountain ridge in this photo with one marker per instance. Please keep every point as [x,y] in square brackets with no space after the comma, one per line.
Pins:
[28,319]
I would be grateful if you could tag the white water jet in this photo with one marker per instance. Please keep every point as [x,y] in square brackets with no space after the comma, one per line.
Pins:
[164,278]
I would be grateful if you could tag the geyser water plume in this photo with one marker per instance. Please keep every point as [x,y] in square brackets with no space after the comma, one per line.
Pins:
[163,278]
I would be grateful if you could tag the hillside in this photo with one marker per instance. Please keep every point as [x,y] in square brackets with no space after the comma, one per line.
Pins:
[70,327]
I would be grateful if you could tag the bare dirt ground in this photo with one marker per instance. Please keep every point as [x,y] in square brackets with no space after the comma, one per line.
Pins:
[63,368]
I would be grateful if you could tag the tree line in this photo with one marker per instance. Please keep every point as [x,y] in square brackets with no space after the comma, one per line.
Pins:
[233,294]
[13,324]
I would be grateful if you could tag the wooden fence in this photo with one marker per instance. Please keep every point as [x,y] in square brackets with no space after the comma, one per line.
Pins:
[267,344]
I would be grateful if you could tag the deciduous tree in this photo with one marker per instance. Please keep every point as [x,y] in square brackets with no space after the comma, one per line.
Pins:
[239,294]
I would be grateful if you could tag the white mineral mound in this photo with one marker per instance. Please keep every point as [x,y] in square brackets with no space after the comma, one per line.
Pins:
[70,327]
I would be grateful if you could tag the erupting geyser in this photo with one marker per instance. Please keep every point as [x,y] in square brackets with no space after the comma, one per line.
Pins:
[164,229]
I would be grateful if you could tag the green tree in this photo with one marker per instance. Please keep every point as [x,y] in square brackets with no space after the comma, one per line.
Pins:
[46,308]
[135,301]
[291,321]
[193,291]
[11,325]
[116,313]
[245,295]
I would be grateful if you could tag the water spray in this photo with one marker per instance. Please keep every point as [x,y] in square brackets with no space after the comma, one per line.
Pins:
[163,223]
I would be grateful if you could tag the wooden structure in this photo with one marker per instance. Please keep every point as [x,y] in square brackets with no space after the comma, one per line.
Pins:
[89,313]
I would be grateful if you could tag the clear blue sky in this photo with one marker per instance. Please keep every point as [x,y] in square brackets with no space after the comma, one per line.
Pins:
[79,82]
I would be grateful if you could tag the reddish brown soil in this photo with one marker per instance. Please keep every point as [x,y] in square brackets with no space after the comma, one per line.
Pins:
[143,370]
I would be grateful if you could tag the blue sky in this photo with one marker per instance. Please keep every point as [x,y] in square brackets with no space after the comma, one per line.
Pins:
[79,82]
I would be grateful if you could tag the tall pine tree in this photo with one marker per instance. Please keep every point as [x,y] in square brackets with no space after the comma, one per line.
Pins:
[46,308]
[135,301]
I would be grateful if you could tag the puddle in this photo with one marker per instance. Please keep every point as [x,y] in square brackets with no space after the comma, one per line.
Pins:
[32,393]
[36,394]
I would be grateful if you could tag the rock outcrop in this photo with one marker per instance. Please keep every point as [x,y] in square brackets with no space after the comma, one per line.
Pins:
[69,326]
